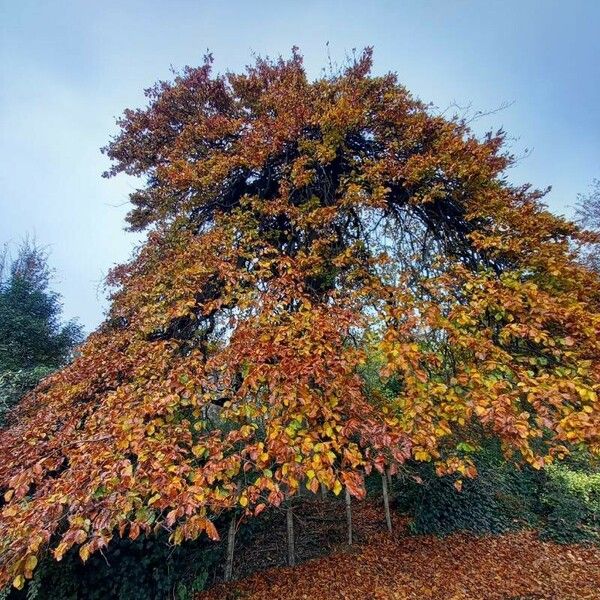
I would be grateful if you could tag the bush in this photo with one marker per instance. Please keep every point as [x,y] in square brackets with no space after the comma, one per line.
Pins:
[146,569]
[571,503]
[500,499]
[563,501]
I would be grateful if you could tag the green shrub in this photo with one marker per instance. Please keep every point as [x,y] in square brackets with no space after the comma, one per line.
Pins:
[563,501]
[146,569]
[500,499]
[571,503]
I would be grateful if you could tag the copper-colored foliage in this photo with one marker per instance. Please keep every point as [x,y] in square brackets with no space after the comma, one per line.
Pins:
[460,567]
[299,230]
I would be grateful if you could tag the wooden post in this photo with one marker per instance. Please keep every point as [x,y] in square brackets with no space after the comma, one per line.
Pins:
[290,535]
[386,502]
[230,548]
[349,516]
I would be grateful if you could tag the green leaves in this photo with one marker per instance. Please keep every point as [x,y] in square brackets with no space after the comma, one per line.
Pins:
[465,447]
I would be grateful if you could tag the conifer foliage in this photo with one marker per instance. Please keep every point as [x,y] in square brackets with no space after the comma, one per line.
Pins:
[298,230]
[32,333]
[34,341]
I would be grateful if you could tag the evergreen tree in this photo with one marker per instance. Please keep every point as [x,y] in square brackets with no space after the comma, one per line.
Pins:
[33,339]
[588,213]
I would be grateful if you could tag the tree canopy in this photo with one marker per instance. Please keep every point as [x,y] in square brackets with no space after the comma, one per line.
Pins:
[300,232]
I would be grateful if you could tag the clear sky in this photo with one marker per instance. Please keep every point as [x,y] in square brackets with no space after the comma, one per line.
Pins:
[67,69]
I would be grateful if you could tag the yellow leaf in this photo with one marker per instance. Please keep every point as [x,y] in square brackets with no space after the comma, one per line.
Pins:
[31,562]
[337,488]
[177,536]
[198,451]
[244,501]
[19,582]
[422,455]
[35,542]
[59,551]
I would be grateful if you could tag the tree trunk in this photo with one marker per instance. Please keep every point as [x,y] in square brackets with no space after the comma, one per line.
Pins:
[349,516]
[290,535]
[323,492]
[386,502]
[230,548]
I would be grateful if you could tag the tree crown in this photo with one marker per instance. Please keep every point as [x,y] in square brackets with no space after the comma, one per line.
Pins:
[31,331]
[301,235]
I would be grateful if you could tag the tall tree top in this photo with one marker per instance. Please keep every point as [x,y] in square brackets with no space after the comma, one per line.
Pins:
[31,331]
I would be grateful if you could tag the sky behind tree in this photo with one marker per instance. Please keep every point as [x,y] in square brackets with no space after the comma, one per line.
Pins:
[67,69]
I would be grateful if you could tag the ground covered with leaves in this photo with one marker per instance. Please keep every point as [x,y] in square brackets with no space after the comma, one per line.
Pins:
[458,567]
[515,566]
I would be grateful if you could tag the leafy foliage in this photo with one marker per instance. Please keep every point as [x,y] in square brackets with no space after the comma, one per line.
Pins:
[562,501]
[296,228]
[571,500]
[502,498]
[146,569]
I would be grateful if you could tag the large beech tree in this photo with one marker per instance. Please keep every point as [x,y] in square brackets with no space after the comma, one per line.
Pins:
[297,230]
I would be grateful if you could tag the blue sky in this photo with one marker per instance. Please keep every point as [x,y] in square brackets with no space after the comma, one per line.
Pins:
[67,69]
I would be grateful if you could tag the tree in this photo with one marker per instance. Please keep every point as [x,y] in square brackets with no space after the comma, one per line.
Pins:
[33,340]
[296,230]
[31,331]
[588,213]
